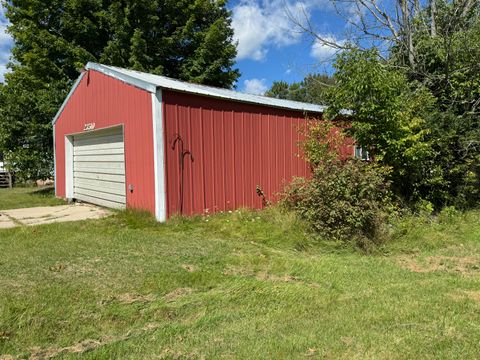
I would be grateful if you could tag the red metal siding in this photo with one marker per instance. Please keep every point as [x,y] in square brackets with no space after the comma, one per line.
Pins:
[108,102]
[235,147]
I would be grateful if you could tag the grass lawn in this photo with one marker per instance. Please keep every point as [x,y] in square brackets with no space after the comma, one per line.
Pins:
[247,285]
[20,197]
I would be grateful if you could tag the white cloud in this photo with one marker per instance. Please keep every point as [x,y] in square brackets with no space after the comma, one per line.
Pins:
[3,71]
[324,52]
[255,86]
[259,24]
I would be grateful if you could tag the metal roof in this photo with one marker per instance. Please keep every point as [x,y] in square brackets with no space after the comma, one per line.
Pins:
[150,83]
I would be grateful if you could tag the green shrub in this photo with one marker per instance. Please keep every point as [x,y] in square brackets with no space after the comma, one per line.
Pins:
[347,200]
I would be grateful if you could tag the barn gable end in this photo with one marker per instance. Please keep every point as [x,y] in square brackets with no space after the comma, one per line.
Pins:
[98,102]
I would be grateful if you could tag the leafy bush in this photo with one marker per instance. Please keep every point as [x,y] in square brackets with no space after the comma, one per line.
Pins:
[389,116]
[347,200]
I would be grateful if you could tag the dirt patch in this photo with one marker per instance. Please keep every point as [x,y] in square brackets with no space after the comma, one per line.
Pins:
[57,267]
[189,268]
[177,293]
[466,265]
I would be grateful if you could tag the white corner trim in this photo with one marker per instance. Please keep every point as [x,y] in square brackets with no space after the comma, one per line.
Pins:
[54,163]
[72,90]
[68,167]
[159,157]
[109,71]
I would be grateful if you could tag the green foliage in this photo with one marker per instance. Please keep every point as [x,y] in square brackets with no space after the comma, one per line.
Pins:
[312,89]
[388,116]
[188,40]
[447,64]
[347,200]
[449,67]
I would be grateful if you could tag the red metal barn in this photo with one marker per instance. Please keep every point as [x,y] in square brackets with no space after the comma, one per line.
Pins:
[130,139]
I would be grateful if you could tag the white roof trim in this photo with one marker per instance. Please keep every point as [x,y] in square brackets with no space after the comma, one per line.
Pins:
[150,83]
[124,76]
[72,90]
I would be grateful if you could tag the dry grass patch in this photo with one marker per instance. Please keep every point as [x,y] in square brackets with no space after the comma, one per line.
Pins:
[84,346]
[189,267]
[135,298]
[177,293]
[466,294]
[282,278]
[465,265]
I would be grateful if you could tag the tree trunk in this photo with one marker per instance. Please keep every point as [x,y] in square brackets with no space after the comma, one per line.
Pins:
[407,29]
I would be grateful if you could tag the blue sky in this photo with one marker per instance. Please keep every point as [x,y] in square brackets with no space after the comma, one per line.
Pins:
[270,46]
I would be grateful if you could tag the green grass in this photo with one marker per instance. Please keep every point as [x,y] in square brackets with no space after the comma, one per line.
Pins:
[248,285]
[21,197]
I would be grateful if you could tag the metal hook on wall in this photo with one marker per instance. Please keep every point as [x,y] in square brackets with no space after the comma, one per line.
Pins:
[182,154]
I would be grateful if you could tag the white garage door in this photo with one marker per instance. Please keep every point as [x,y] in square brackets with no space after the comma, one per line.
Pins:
[99,168]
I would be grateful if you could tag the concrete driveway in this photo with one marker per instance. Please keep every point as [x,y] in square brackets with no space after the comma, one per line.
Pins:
[50,214]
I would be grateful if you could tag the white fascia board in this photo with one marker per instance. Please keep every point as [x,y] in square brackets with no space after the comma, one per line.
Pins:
[159,157]
[54,163]
[132,80]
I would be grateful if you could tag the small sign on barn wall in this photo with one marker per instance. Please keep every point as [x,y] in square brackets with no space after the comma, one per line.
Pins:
[89,126]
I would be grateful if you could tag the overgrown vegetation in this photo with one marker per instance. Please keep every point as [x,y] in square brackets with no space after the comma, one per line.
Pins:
[408,76]
[345,199]
[431,149]
[388,117]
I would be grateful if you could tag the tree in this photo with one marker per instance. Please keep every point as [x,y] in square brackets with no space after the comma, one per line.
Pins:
[188,40]
[389,116]
[311,89]
[432,46]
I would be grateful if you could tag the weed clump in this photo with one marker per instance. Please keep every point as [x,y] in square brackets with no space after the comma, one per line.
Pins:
[345,199]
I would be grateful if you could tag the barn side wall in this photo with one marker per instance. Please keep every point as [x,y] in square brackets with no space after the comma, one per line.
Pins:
[107,102]
[234,147]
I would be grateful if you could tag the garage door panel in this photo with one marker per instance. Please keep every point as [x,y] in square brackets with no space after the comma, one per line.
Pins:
[99,165]
[101,185]
[97,151]
[101,146]
[102,171]
[100,194]
[99,158]
[82,141]
[101,202]
[118,178]
[99,168]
